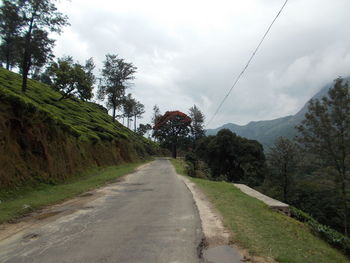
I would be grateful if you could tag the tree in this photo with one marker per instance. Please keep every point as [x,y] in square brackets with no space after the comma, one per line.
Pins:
[116,74]
[10,24]
[171,127]
[138,110]
[197,127]
[71,79]
[87,80]
[283,159]
[143,129]
[128,108]
[325,132]
[37,18]
[233,158]
[156,114]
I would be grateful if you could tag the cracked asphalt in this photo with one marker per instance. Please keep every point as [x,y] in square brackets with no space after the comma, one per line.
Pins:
[149,217]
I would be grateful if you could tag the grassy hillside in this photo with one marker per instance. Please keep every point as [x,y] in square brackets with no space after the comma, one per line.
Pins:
[44,139]
[264,232]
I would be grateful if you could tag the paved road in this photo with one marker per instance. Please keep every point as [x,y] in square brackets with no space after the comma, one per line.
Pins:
[148,217]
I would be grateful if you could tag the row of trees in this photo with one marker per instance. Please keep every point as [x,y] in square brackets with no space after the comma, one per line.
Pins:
[313,171]
[74,80]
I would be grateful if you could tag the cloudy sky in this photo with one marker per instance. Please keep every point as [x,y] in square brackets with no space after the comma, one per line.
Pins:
[189,52]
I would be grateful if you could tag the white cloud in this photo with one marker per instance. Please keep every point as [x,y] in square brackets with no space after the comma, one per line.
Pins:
[189,51]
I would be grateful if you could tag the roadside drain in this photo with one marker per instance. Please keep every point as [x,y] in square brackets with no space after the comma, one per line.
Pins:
[222,254]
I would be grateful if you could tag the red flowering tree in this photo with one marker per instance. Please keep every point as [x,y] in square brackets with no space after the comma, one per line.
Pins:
[170,127]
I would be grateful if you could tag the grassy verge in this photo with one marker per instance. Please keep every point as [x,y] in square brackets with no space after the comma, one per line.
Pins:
[262,231]
[23,200]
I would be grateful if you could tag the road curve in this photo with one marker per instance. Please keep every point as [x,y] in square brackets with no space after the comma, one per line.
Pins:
[149,217]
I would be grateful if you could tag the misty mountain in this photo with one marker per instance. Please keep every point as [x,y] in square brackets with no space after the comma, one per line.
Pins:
[266,132]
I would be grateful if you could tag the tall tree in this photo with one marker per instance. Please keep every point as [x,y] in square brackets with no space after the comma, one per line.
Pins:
[138,110]
[10,24]
[143,129]
[156,114]
[38,18]
[116,77]
[325,132]
[197,126]
[87,80]
[171,127]
[128,108]
[283,159]
[71,79]
[233,158]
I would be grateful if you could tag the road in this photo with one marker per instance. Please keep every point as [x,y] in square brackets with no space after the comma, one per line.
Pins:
[149,217]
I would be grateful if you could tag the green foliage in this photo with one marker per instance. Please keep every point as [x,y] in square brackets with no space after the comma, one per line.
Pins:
[34,20]
[233,158]
[9,32]
[282,159]
[197,125]
[264,232]
[325,132]
[331,236]
[261,230]
[143,129]
[116,77]
[72,79]
[172,128]
[87,121]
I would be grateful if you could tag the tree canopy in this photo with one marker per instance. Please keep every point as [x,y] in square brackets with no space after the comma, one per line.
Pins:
[171,127]
[325,132]
[233,158]
[116,77]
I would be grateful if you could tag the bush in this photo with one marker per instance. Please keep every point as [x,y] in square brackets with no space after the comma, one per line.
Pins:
[328,234]
[189,169]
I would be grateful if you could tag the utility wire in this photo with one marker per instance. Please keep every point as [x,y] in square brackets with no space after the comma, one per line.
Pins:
[248,63]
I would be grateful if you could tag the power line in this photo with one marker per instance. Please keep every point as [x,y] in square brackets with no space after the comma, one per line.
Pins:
[248,63]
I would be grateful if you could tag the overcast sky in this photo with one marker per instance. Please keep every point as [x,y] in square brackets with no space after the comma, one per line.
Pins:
[189,52]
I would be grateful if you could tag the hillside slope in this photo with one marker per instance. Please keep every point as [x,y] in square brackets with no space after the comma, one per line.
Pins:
[267,131]
[44,139]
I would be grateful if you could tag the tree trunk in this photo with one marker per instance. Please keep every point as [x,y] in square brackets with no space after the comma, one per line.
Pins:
[345,207]
[27,55]
[285,185]
[114,109]
[24,80]
[174,151]
[8,60]
[134,123]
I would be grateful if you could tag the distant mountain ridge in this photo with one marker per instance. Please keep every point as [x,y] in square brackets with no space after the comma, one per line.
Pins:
[267,131]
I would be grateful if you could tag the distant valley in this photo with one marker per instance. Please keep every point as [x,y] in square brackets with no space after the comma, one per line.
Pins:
[266,132]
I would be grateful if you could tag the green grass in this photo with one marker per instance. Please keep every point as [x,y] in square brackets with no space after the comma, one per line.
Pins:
[85,120]
[263,231]
[18,202]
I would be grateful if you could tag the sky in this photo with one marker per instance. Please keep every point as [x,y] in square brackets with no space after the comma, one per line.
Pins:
[189,52]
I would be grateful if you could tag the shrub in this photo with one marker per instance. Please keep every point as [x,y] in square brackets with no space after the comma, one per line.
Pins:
[328,234]
[189,169]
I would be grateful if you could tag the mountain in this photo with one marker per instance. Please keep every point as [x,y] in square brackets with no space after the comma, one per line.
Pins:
[267,131]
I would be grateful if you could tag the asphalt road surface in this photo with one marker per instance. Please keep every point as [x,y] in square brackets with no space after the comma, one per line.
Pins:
[149,217]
